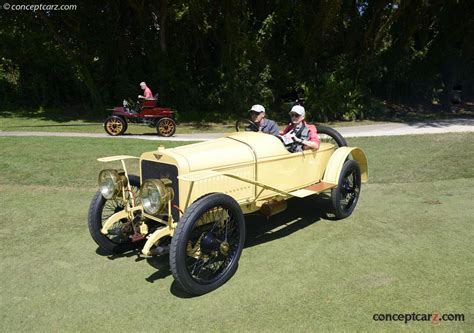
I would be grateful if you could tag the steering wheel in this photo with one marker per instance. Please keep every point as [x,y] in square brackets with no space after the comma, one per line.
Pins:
[246,125]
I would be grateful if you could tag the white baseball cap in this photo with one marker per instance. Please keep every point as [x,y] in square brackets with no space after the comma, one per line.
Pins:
[257,108]
[298,109]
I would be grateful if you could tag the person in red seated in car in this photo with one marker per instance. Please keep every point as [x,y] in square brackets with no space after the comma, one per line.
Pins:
[147,94]
[303,134]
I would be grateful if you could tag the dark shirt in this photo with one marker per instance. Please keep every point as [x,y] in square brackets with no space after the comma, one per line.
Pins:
[269,126]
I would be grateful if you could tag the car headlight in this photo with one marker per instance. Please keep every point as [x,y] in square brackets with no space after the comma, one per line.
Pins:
[111,183]
[154,194]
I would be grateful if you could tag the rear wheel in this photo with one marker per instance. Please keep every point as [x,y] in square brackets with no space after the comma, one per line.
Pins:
[166,127]
[114,125]
[345,196]
[207,243]
[328,134]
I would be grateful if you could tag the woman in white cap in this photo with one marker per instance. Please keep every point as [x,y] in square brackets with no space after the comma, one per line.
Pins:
[303,134]
[257,114]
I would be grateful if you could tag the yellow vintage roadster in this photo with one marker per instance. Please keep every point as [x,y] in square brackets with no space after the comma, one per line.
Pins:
[190,201]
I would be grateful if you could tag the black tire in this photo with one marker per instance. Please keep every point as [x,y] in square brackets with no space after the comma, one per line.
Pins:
[345,196]
[166,127]
[126,124]
[115,125]
[101,209]
[328,134]
[213,248]
[246,125]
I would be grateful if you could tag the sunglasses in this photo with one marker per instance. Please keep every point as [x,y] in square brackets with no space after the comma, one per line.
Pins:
[254,113]
[295,115]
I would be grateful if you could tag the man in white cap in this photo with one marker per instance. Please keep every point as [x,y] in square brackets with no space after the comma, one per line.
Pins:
[304,135]
[147,94]
[257,114]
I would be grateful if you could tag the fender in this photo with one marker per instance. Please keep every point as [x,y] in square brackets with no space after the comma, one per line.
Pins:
[123,214]
[155,237]
[116,158]
[334,166]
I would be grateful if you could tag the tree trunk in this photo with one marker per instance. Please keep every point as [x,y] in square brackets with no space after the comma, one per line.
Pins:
[163,15]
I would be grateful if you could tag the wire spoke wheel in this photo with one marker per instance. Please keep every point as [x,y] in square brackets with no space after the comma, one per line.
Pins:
[102,209]
[207,244]
[166,127]
[213,244]
[349,191]
[345,196]
[120,231]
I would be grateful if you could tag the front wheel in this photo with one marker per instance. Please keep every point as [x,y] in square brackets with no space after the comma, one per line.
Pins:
[101,209]
[345,196]
[114,125]
[207,244]
[166,127]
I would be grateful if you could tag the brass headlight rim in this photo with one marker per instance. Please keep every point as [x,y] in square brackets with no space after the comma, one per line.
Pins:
[165,192]
[119,181]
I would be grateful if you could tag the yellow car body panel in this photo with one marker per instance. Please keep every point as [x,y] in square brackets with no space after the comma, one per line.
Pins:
[255,156]
[253,168]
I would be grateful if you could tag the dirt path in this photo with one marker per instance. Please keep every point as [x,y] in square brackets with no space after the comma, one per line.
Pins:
[386,129]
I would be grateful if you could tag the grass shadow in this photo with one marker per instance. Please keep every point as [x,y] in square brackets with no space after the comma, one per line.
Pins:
[52,114]
[123,251]
[162,264]
[300,214]
[55,125]
[177,291]
[416,113]
[440,123]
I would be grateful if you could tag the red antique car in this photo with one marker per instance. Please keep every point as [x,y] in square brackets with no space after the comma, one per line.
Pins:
[144,112]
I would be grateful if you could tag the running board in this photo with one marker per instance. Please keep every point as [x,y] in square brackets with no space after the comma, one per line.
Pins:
[312,189]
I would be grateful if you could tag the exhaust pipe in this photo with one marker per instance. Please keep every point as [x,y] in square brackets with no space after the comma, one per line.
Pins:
[273,207]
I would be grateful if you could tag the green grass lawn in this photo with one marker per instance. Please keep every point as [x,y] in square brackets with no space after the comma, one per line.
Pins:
[407,248]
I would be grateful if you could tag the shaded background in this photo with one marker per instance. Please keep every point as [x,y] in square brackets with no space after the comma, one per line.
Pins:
[206,58]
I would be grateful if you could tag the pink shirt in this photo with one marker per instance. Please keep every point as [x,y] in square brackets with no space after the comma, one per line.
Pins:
[313,134]
[147,93]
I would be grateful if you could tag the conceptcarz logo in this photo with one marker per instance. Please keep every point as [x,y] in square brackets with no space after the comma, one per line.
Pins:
[36,7]
[434,317]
